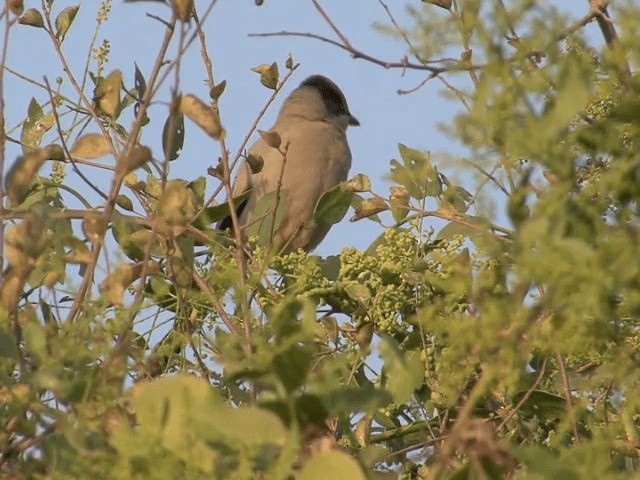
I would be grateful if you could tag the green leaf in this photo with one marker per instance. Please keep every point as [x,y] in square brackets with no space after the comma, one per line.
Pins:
[247,426]
[268,75]
[333,205]
[8,348]
[199,188]
[330,267]
[292,366]
[35,339]
[140,82]
[216,213]
[457,197]
[404,370]
[64,21]
[416,173]
[358,292]
[35,126]
[122,231]
[542,404]
[32,18]
[334,465]
[124,202]
[267,215]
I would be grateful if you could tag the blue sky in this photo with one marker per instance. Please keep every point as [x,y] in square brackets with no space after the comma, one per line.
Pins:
[386,118]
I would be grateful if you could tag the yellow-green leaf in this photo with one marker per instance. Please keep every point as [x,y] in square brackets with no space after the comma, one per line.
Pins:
[32,18]
[269,75]
[107,98]
[64,21]
[335,465]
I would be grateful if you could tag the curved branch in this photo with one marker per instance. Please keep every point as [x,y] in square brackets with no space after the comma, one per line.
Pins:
[355,53]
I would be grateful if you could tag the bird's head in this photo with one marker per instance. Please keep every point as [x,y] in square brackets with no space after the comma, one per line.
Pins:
[319,99]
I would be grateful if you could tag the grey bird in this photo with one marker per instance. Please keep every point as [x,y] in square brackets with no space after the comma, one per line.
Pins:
[312,158]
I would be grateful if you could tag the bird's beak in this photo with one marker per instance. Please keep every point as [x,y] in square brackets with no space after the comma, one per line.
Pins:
[353,121]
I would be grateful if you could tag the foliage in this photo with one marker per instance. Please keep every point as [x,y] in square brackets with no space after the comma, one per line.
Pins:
[137,341]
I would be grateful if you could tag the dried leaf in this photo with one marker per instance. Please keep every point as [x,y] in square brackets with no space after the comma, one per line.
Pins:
[138,156]
[91,146]
[446,4]
[22,174]
[140,83]
[369,207]
[16,6]
[289,63]
[359,183]
[94,226]
[177,204]
[255,162]
[202,115]
[54,152]
[183,9]
[116,284]
[216,92]
[173,136]
[271,138]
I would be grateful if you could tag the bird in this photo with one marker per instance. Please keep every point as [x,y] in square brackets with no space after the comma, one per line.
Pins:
[312,157]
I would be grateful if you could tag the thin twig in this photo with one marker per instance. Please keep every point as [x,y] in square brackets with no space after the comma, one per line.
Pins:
[449,445]
[358,54]
[525,397]
[568,396]
[204,286]
[341,36]
[118,179]
[402,33]
[65,146]
[8,23]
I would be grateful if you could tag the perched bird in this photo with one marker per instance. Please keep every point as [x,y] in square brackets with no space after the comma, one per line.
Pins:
[313,157]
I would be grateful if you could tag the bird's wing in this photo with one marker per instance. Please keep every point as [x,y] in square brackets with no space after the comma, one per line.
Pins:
[241,184]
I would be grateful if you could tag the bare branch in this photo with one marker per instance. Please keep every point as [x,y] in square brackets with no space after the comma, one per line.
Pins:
[358,54]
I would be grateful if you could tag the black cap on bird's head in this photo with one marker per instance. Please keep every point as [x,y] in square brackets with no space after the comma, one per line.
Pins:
[332,96]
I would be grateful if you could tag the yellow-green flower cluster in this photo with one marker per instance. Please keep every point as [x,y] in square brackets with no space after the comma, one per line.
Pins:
[301,273]
[376,283]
